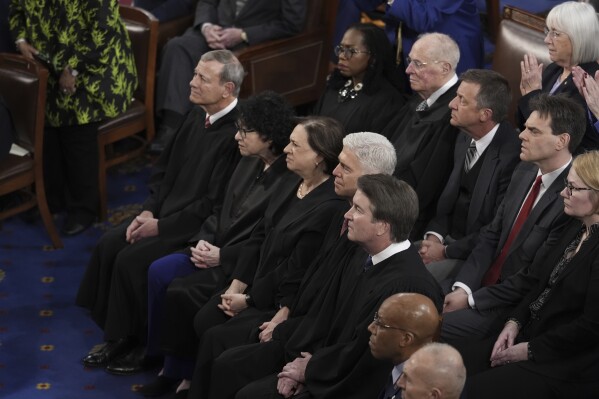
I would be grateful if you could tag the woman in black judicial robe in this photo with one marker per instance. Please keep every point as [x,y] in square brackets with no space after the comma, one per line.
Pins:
[363,91]
[271,264]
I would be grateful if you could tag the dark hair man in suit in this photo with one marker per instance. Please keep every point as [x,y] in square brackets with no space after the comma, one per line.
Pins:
[509,244]
[485,156]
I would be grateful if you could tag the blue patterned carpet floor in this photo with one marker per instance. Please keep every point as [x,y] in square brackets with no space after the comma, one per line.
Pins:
[43,335]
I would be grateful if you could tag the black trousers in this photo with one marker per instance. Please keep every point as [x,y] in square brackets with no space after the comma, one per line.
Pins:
[237,367]
[239,330]
[114,286]
[71,169]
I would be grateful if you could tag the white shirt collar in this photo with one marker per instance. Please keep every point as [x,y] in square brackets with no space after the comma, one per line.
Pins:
[391,250]
[440,91]
[216,116]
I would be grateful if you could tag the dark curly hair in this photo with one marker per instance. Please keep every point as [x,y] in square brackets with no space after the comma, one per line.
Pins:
[381,65]
[271,116]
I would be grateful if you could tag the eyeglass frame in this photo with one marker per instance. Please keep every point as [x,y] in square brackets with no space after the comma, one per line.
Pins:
[419,64]
[348,52]
[570,188]
[553,34]
[243,131]
[377,322]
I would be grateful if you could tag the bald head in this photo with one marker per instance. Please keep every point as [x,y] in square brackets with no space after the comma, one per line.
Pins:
[434,371]
[405,323]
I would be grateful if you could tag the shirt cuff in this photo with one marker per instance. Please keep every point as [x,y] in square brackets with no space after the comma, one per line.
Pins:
[205,25]
[463,286]
[439,236]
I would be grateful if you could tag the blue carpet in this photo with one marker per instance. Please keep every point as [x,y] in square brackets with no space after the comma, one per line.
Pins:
[43,335]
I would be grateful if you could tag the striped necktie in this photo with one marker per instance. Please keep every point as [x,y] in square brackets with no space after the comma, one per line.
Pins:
[470,154]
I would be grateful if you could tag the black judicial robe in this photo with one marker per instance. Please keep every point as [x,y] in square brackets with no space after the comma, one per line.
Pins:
[342,365]
[247,197]
[425,142]
[187,185]
[272,262]
[366,113]
[335,330]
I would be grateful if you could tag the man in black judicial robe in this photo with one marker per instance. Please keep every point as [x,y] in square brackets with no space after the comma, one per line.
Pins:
[327,349]
[363,153]
[421,133]
[187,185]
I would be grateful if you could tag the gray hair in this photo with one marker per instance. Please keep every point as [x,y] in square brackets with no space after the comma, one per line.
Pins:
[447,371]
[444,48]
[232,69]
[374,151]
[579,21]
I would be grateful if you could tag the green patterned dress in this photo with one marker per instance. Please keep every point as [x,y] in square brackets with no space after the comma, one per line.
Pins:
[89,37]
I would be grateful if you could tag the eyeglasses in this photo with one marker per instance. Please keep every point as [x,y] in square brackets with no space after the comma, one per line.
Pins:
[377,322]
[419,64]
[572,189]
[243,131]
[348,52]
[553,34]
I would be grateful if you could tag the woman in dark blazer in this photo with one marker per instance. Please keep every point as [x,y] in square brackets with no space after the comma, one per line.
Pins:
[549,346]
[363,91]
[270,266]
[571,38]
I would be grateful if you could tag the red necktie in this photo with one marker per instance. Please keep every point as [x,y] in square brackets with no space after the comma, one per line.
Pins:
[207,123]
[492,275]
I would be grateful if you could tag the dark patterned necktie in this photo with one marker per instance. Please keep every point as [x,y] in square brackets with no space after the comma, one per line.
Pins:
[470,154]
[423,106]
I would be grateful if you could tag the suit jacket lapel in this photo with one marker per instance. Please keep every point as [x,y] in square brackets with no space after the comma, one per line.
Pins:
[548,198]
[519,196]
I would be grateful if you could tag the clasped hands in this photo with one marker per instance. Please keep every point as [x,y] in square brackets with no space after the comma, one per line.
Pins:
[504,350]
[205,255]
[293,376]
[431,249]
[144,225]
[219,38]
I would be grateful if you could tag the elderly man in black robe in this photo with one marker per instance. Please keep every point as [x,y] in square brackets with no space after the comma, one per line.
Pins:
[187,185]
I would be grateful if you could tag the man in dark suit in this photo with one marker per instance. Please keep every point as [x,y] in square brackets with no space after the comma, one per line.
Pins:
[218,24]
[327,349]
[187,185]
[421,132]
[512,241]
[486,154]
[403,324]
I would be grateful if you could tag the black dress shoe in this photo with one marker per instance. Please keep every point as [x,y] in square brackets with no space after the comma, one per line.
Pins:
[159,387]
[132,363]
[108,352]
[76,225]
